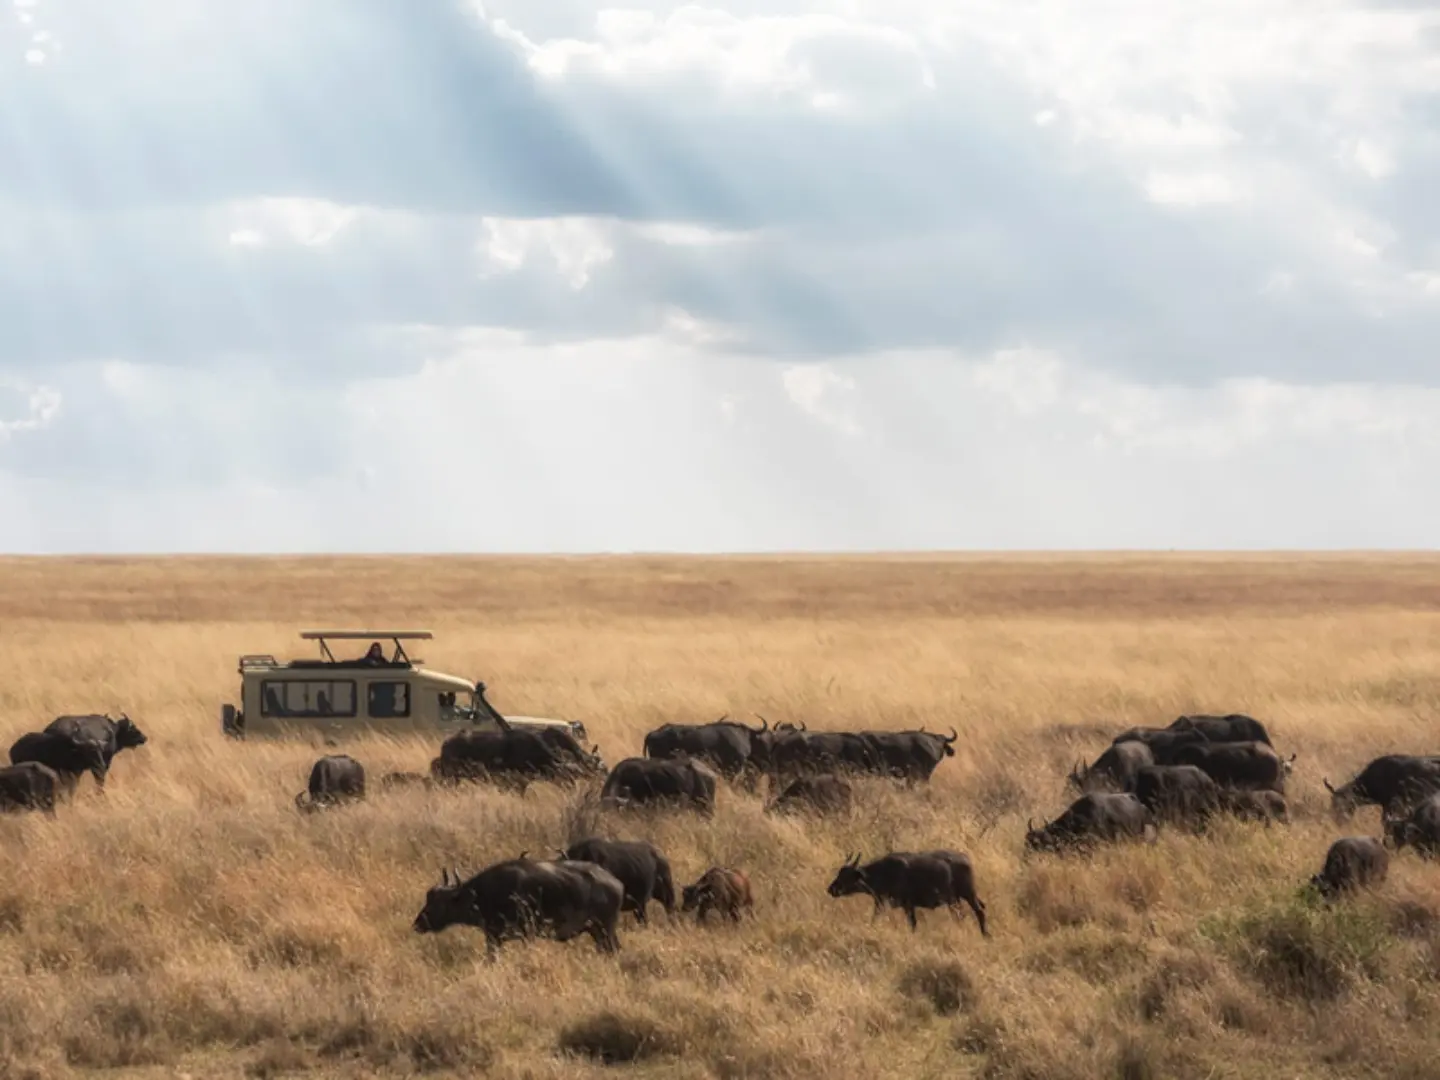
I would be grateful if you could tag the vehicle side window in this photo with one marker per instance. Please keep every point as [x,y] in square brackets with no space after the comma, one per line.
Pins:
[307,699]
[389,699]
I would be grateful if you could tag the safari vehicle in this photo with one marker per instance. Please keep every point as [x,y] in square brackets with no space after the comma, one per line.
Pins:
[371,694]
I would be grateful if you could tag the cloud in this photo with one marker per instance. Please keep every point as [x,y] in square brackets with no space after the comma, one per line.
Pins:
[794,273]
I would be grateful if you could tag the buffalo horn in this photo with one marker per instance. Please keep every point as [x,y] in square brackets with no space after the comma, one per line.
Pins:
[953,734]
[1326,781]
[1029,825]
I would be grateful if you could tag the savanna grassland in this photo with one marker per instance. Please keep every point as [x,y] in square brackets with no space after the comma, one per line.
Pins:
[190,922]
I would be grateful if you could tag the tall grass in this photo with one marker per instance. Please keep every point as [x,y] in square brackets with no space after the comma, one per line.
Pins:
[190,921]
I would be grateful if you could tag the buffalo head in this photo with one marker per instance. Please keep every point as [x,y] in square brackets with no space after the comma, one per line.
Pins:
[445,905]
[849,879]
[949,742]
[127,735]
[1342,802]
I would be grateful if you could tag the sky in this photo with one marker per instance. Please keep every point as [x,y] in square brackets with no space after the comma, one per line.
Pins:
[540,275]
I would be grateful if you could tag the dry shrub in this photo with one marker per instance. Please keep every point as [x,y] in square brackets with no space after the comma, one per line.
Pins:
[1313,952]
[613,1038]
[944,984]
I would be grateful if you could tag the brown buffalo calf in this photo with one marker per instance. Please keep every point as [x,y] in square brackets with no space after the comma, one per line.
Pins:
[725,890]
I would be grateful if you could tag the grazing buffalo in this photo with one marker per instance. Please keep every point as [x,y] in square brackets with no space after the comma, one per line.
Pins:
[1115,769]
[571,756]
[29,786]
[68,759]
[334,779]
[913,880]
[1177,793]
[638,865]
[1389,782]
[514,757]
[394,781]
[721,889]
[911,755]
[1249,766]
[1420,828]
[1353,862]
[825,793]
[1234,727]
[1164,744]
[806,753]
[1265,805]
[1097,816]
[730,748]
[638,781]
[522,898]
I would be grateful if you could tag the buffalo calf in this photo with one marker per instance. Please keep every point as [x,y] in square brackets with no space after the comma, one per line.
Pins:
[722,889]
[1353,862]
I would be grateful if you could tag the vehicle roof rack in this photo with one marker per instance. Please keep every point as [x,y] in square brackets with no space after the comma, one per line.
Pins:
[356,635]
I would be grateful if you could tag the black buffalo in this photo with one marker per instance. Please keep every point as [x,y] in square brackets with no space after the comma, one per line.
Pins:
[639,866]
[1094,817]
[334,779]
[824,793]
[513,757]
[911,755]
[730,748]
[1233,727]
[911,881]
[1420,828]
[68,759]
[1389,782]
[807,753]
[1164,743]
[640,781]
[29,786]
[1353,862]
[570,755]
[1115,769]
[1266,806]
[1249,766]
[1177,793]
[526,898]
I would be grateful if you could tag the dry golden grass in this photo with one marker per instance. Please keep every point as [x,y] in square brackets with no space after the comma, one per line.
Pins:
[191,922]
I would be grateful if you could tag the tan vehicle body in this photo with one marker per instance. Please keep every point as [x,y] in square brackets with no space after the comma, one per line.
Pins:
[375,694]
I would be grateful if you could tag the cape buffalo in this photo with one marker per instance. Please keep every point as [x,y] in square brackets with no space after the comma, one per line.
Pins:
[1353,862]
[911,755]
[1266,806]
[334,779]
[1420,828]
[29,786]
[637,781]
[1388,782]
[522,898]
[1097,816]
[638,865]
[913,880]
[802,753]
[1177,793]
[824,793]
[514,757]
[1250,766]
[1233,727]
[68,759]
[721,889]
[1163,742]
[727,746]
[1114,769]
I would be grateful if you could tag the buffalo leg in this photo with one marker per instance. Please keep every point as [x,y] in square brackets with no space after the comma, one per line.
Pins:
[910,915]
[639,908]
[977,906]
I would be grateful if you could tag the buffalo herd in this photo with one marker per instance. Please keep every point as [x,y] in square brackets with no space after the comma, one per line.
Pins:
[1185,775]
